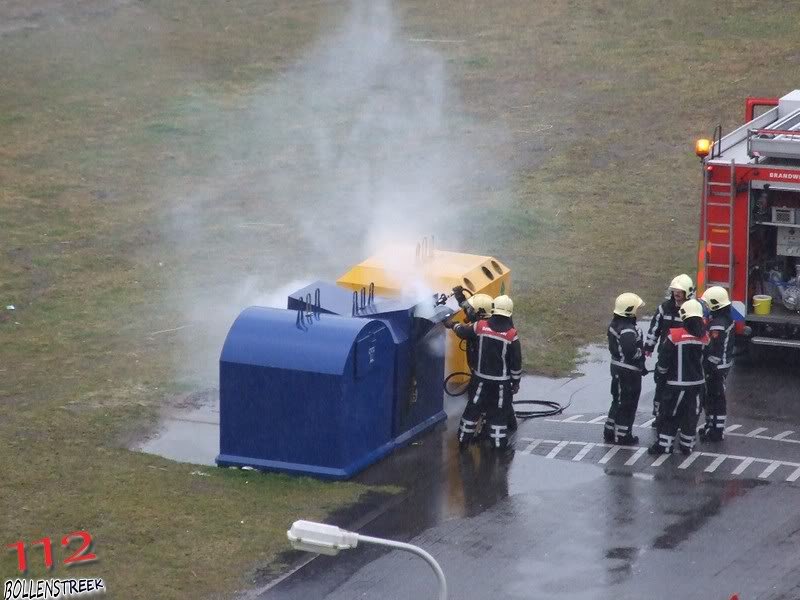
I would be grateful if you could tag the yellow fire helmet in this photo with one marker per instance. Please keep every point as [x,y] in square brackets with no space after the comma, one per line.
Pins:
[627,304]
[716,297]
[481,303]
[683,283]
[690,308]
[503,305]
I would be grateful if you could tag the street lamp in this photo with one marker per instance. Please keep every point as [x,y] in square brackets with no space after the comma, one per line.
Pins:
[329,539]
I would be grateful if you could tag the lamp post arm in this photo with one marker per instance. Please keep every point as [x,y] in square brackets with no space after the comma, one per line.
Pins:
[413,550]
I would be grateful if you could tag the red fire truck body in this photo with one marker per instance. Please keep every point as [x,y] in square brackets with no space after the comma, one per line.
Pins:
[750,217]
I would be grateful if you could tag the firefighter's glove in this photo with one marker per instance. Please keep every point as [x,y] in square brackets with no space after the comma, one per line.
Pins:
[458,292]
[514,387]
[645,372]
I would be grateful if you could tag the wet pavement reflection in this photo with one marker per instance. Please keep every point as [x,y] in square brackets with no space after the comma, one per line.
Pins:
[559,522]
[563,515]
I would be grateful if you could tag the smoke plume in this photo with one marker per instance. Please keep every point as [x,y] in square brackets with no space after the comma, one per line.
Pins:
[354,148]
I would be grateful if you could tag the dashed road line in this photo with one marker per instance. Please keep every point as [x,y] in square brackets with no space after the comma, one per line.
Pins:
[755,432]
[715,464]
[689,460]
[532,446]
[770,469]
[572,419]
[609,455]
[558,448]
[551,449]
[660,460]
[636,456]
[743,465]
[731,430]
[583,452]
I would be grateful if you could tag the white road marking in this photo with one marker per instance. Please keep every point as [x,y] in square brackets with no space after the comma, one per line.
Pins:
[532,446]
[636,456]
[583,452]
[559,447]
[639,451]
[572,419]
[660,460]
[689,460]
[755,431]
[730,430]
[608,455]
[743,465]
[716,463]
[770,469]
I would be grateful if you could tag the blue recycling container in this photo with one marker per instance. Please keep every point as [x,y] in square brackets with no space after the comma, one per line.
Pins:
[419,368]
[418,397]
[304,395]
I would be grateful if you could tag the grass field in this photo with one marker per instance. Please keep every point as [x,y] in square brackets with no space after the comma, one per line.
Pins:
[111,111]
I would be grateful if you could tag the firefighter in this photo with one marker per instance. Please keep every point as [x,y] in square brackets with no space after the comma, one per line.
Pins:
[680,371]
[681,288]
[718,362]
[627,367]
[476,307]
[497,373]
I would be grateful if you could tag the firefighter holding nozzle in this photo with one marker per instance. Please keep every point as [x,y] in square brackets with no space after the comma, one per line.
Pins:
[680,371]
[494,355]
[625,344]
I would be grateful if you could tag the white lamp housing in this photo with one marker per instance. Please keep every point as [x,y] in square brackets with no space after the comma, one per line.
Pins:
[320,538]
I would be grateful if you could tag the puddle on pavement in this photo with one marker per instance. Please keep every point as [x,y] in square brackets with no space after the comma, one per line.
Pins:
[191,434]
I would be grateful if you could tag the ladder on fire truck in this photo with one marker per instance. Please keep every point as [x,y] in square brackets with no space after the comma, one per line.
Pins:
[722,196]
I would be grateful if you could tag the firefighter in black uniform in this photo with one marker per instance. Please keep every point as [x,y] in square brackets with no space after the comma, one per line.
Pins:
[476,308]
[627,367]
[680,370]
[498,370]
[665,318]
[718,362]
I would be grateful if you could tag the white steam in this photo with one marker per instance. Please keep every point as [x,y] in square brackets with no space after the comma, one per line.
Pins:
[356,148]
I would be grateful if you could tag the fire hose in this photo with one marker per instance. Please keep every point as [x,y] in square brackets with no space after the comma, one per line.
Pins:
[549,407]
[456,387]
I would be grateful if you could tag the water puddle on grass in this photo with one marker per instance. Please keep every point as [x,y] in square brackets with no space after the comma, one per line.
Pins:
[187,433]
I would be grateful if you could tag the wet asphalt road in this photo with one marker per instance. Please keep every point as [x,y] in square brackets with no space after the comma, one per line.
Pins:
[565,516]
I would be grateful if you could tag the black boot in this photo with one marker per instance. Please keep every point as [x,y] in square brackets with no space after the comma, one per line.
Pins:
[627,440]
[657,449]
[608,432]
[512,421]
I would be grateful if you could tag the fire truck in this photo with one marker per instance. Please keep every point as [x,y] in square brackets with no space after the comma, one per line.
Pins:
[750,221]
